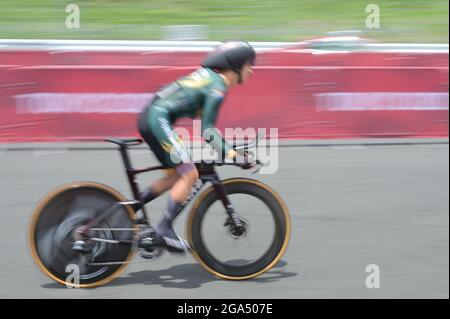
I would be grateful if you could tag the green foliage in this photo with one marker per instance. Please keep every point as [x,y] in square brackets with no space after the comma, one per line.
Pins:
[270,20]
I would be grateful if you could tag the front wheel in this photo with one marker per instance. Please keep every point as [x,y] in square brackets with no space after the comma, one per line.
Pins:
[239,253]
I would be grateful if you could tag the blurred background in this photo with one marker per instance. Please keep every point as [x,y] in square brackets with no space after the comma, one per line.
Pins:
[361,113]
[254,20]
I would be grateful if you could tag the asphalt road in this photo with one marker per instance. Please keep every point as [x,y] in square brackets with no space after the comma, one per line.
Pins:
[351,206]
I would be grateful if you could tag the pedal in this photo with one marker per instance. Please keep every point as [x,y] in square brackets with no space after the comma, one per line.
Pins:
[146,238]
[149,244]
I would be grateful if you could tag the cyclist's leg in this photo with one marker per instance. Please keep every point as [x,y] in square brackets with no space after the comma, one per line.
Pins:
[177,156]
[168,182]
[172,153]
[158,187]
[165,183]
[188,174]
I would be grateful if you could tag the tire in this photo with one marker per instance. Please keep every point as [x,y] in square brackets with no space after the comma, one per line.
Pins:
[53,220]
[272,255]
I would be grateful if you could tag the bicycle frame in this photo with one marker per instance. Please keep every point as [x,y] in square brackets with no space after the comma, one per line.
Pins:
[206,171]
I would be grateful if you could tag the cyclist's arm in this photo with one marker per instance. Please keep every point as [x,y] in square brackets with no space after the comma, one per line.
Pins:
[213,100]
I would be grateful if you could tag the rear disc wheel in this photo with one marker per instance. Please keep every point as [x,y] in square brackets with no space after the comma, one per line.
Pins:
[55,222]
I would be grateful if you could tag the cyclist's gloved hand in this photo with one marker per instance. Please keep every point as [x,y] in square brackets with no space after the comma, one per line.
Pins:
[244,161]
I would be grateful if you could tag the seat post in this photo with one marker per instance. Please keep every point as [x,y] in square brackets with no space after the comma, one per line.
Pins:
[125,158]
[130,174]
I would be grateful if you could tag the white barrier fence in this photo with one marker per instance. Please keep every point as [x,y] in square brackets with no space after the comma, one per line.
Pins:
[122,45]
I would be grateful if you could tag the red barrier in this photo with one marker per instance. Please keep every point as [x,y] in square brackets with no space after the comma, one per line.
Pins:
[90,95]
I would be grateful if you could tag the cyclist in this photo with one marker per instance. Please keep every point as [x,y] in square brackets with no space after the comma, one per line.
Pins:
[199,94]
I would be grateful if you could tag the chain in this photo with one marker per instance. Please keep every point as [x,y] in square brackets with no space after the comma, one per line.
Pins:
[112,263]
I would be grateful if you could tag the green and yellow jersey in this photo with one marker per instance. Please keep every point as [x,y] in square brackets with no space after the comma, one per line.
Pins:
[200,94]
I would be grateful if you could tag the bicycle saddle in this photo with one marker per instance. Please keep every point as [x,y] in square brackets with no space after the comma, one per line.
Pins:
[125,141]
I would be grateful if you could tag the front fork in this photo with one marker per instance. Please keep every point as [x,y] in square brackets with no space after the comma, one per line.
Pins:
[208,174]
[233,221]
